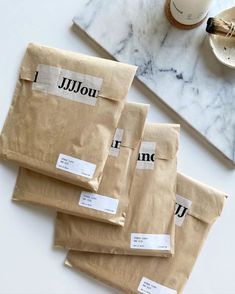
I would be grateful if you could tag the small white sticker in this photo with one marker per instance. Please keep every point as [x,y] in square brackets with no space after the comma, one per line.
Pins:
[182,206]
[67,84]
[148,286]
[146,156]
[76,166]
[150,241]
[116,143]
[98,202]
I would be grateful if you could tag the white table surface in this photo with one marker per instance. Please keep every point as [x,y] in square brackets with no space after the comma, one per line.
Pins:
[28,263]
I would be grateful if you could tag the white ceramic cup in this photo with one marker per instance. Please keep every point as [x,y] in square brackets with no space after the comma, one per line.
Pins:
[189,12]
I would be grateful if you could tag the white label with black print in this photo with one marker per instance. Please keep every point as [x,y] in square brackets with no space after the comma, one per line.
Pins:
[182,206]
[116,143]
[147,286]
[98,202]
[146,157]
[76,166]
[150,241]
[67,84]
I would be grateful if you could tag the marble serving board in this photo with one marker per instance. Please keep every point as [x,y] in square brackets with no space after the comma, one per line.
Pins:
[178,66]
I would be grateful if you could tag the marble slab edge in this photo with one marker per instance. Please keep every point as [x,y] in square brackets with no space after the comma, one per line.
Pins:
[173,114]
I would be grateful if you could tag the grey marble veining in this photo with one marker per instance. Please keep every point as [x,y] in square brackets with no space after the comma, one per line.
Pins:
[176,65]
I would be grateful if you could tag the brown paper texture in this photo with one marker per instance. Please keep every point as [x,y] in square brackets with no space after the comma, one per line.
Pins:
[64,114]
[118,173]
[126,272]
[152,201]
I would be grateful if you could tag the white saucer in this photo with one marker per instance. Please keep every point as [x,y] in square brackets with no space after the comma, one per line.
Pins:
[223,47]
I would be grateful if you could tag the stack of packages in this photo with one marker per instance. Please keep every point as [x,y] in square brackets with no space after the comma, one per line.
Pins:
[126,216]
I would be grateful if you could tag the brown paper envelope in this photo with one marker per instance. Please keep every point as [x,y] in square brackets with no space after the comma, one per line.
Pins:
[110,202]
[197,208]
[149,228]
[64,114]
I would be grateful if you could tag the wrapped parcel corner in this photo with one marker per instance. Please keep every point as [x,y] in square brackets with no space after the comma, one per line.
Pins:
[110,203]
[64,114]
[150,227]
[197,208]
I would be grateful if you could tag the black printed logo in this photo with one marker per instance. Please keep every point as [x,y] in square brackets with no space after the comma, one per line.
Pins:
[148,157]
[116,144]
[74,86]
[180,210]
[36,77]
[77,87]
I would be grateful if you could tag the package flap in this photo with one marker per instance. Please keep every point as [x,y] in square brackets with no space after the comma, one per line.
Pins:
[198,193]
[167,146]
[114,84]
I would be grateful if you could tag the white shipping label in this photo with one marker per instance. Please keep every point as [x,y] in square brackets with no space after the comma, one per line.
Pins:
[148,286]
[116,143]
[150,241]
[67,84]
[76,166]
[98,202]
[146,156]
[182,206]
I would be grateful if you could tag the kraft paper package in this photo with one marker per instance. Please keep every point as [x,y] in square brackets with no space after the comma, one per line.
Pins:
[197,208]
[64,114]
[111,201]
[149,228]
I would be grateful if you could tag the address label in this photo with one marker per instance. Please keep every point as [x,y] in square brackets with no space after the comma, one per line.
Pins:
[98,202]
[150,241]
[76,166]
[148,286]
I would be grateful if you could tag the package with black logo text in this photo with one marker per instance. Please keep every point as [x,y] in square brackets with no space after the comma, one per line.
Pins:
[149,228]
[110,202]
[197,208]
[64,114]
